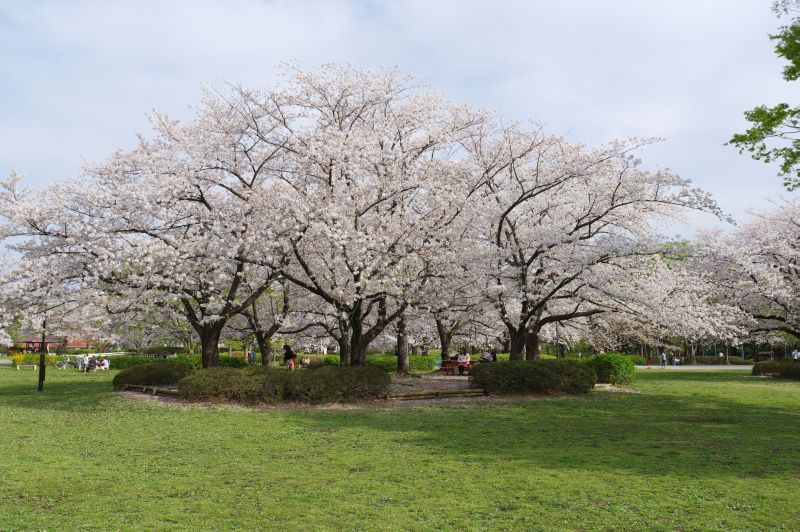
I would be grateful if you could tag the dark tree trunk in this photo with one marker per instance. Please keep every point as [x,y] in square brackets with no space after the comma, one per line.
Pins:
[209,345]
[344,351]
[532,345]
[402,346]
[357,349]
[445,337]
[505,344]
[42,356]
[344,342]
[516,344]
[263,342]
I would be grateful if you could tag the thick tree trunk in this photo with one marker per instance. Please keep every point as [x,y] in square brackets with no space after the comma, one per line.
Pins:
[357,349]
[209,345]
[344,342]
[516,344]
[691,353]
[344,351]
[532,345]
[444,339]
[402,346]
[505,344]
[263,342]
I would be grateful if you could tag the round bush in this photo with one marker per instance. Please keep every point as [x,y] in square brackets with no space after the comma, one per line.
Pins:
[781,369]
[540,376]
[230,384]
[162,372]
[322,384]
[612,369]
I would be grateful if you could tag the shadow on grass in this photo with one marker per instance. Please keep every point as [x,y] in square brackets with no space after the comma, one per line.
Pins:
[648,434]
[743,376]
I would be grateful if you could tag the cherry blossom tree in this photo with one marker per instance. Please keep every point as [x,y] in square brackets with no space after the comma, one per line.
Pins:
[373,180]
[757,268]
[563,223]
[186,216]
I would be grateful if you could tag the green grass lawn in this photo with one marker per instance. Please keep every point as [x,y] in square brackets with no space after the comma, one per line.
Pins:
[693,450]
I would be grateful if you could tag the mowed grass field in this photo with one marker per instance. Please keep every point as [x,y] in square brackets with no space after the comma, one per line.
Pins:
[691,450]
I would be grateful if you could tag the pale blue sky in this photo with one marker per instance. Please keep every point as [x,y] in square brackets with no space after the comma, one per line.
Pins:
[78,76]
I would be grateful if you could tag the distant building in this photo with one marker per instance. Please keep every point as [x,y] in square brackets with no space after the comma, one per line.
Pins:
[34,344]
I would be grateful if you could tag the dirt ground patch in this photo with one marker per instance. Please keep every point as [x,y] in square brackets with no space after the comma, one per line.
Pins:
[401,385]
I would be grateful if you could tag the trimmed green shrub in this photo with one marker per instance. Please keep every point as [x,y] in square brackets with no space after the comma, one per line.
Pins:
[232,362]
[540,376]
[638,360]
[717,360]
[161,372]
[322,384]
[368,382]
[781,369]
[230,384]
[162,350]
[128,361]
[417,363]
[386,362]
[612,369]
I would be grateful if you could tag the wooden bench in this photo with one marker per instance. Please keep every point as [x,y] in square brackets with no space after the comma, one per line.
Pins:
[451,366]
[34,366]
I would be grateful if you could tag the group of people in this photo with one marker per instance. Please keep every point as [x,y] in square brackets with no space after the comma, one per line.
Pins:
[88,364]
[672,360]
[464,359]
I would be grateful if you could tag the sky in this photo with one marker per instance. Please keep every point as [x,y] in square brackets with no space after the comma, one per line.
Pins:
[77,78]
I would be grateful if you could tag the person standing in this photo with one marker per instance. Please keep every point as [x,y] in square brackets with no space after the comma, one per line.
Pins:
[663,359]
[289,357]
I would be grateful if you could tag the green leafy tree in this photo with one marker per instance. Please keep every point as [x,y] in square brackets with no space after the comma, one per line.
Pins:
[774,134]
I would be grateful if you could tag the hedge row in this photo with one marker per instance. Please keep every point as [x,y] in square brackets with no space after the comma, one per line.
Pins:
[782,369]
[418,363]
[270,385]
[612,369]
[540,376]
[128,361]
[158,372]
[33,358]
[721,360]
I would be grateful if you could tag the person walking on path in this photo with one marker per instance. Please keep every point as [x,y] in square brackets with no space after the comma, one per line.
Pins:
[289,357]
[663,359]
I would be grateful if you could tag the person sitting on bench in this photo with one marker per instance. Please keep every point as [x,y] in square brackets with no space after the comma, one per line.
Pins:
[463,360]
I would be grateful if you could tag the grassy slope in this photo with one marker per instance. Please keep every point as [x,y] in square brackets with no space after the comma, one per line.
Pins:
[693,450]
